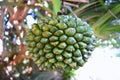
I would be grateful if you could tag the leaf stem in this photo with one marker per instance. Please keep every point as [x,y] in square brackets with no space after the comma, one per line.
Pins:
[112,14]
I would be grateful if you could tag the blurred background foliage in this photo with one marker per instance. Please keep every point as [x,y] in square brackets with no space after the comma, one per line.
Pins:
[102,15]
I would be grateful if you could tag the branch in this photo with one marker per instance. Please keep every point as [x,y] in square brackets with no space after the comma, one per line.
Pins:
[70,4]
[21,55]
[2,14]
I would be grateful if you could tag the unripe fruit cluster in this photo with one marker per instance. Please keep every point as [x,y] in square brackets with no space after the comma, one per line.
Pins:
[64,42]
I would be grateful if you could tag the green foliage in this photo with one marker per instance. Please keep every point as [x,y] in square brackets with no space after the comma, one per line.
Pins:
[102,20]
[56,6]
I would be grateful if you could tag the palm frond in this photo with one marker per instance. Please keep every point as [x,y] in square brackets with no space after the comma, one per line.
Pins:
[84,7]
[106,16]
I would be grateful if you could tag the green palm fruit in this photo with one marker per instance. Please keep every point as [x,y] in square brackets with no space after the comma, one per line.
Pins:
[71,40]
[39,45]
[41,53]
[52,60]
[70,48]
[88,33]
[73,64]
[76,45]
[35,26]
[81,62]
[35,50]
[67,54]
[35,30]
[77,53]
[58,33]
[46,50]
[53,29]
[49,55]
[53,22]
[71,23]
[48,47]
[87,39]
[54,43]
[84,51]
[79,22]
[57,51]
[60,65]
[63,38]
[32,44]
[62,45]
[59,57]
[70,31]
[81,29]
[68,61]
[61,26]
[46,34]
[30,36]
[82,45]
[46,27]
[37,38]
[77,59]
[44,40]
[90,47]
[42,59]
[46,64]
[53,38]
[30,49]
[78,36]
[35,56]
[64,42]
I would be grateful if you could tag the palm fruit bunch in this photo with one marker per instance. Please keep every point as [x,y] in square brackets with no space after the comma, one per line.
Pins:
[63,42]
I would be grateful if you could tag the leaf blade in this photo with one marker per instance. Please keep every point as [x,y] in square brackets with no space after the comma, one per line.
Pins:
[56,6]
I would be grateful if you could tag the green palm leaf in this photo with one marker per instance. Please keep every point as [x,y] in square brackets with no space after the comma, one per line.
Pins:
[106,16]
